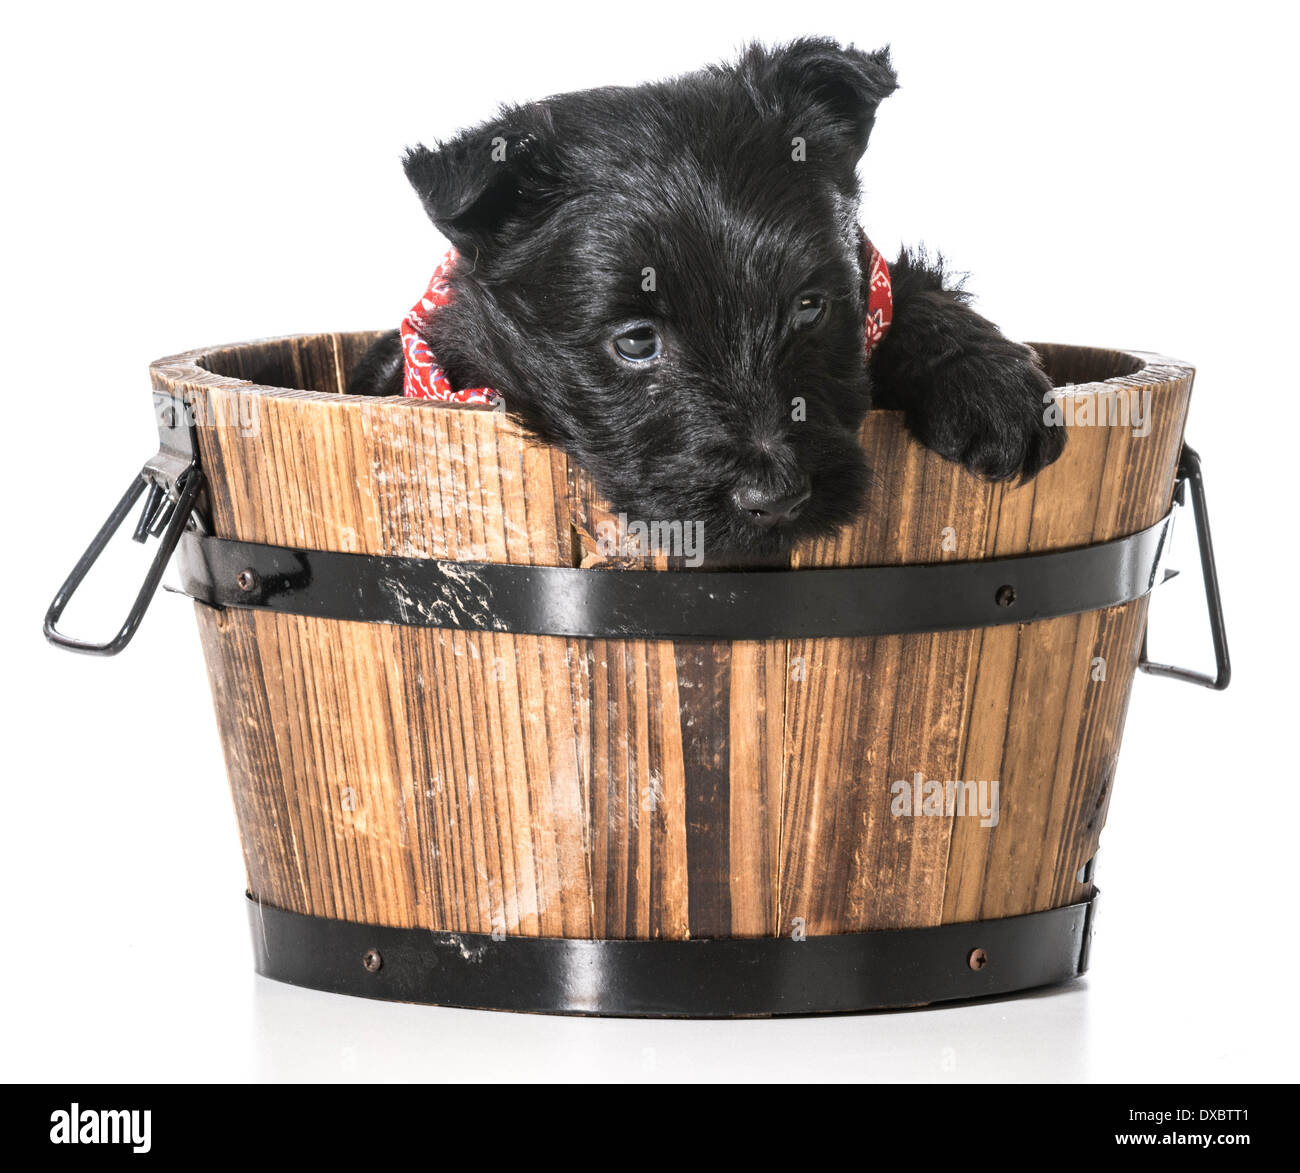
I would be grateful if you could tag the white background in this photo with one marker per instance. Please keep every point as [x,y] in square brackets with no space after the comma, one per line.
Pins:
[175,176]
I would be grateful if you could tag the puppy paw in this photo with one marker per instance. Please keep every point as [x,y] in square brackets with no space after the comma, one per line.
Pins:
[987,412]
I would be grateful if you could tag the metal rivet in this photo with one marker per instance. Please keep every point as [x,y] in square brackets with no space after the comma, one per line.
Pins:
[1006,595]
[372,960]
[978,959]
[246,579]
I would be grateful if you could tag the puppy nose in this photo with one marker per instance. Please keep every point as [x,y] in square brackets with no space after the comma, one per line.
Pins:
[769,506]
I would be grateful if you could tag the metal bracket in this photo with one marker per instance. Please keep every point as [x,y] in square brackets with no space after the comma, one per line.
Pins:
[1190,476]
[170,482]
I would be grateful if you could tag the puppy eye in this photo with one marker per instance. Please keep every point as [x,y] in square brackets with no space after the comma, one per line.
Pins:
[640,344]
[808,310]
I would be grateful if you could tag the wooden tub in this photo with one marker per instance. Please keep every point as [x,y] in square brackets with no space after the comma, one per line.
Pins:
[658,826]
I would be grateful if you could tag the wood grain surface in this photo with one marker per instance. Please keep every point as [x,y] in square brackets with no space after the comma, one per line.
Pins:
[637,789]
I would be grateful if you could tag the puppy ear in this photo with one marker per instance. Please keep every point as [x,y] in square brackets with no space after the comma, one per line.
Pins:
[470,184]
[815,77]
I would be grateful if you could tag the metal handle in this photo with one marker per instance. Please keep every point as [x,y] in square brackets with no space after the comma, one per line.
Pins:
[173,480]
[1189,474]
[176,518]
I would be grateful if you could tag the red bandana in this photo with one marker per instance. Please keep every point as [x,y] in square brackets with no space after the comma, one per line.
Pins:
[425,379]
[880,296]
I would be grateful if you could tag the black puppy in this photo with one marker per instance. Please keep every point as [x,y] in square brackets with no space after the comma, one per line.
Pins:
[669,281]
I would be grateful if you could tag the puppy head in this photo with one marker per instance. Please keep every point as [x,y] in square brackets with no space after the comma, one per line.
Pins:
[668,281]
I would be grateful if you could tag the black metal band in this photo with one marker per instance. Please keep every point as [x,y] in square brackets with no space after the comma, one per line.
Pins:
[733,978]
[621,604]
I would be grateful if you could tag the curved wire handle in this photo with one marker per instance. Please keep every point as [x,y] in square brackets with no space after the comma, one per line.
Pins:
[1189,473]
[176,517]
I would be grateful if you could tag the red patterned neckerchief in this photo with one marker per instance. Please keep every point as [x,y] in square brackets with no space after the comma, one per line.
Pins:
[880,296]
[424,379]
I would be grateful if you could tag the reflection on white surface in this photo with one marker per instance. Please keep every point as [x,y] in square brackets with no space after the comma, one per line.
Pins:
[304,1035]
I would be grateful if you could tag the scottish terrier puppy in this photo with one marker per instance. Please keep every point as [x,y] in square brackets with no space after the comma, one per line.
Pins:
[670,282]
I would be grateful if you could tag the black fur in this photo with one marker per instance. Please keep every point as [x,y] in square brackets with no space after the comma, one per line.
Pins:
[558,207]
